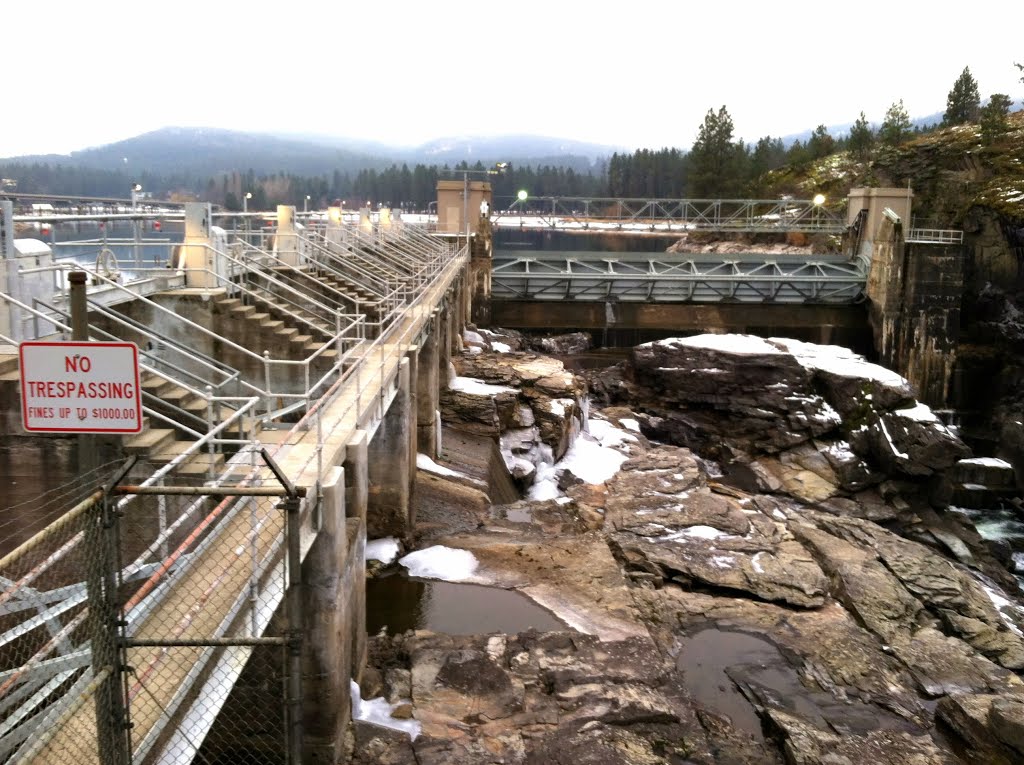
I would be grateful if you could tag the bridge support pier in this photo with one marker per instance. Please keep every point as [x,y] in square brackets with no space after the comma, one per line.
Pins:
[428,391]
[357,484]
[329,620]
[388,501]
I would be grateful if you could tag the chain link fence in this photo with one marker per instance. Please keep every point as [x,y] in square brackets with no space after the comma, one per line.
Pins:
[155,624]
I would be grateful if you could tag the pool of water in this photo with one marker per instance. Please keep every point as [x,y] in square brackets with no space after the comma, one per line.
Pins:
[398,603]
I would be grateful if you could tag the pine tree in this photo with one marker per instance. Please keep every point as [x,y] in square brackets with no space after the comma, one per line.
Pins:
[820,144]
[896,126]
[862,138]
[993,118]
[714,159]
[963,103]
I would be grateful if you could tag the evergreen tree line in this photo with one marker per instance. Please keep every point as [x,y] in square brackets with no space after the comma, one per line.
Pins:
[718,166]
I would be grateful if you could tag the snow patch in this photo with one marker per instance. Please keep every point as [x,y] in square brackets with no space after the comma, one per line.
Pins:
[992,462]
[839,361]
[755,564]
[630,424]
[919,413]
[378,712]
[439,562]
[501,347]
[423,462]
[732,343]
[385,550]
[477,387]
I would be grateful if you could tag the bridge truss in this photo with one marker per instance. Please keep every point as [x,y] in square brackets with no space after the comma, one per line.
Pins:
[678,278]
[737,215]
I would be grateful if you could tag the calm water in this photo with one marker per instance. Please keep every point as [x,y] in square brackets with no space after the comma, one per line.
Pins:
[399,603]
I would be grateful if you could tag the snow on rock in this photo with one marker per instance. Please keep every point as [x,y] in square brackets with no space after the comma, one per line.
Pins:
[439,562]
[607,434]
[476,387]
[992,462]
[385,550]
[919,413]
[630,424]
[839,361]
[378,712]
[423,462]
[727,343]
[501,347]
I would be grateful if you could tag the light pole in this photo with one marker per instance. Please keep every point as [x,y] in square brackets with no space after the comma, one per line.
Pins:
[819,200]
[245,212]
[305,204]
[136,192]
[520,198]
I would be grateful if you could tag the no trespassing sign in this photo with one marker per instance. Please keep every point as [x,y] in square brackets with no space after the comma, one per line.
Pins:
[79,387]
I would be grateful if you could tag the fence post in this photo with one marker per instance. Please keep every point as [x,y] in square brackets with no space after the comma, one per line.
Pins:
[103,634]
[292,506]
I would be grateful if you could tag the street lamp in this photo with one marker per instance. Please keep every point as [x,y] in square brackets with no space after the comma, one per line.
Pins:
[305,204]
[245,202]
[520,198]
[819,200]
[136,192]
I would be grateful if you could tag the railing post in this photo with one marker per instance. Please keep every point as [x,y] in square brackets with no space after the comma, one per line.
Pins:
[111,738]
[209,428]
[292,506]
[266,378]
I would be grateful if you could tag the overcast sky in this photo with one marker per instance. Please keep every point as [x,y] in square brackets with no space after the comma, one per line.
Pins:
[632,74]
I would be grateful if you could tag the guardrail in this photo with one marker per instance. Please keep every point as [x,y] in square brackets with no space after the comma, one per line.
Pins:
[934,236]
[54,686]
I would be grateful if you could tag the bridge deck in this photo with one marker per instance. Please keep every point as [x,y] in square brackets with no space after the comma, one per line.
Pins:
[206,593]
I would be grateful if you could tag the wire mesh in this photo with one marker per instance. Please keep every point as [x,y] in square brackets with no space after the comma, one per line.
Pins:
[46,674]
[145,628]
[202,579]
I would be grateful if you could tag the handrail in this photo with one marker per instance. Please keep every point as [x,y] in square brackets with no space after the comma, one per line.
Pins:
[369,367]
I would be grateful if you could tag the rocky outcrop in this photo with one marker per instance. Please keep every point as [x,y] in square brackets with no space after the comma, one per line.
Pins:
[531,397]
[736,398]
[800,602]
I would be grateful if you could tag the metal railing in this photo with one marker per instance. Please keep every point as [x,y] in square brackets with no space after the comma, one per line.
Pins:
[713,278]
[934,236]
[65,679]
[724,215]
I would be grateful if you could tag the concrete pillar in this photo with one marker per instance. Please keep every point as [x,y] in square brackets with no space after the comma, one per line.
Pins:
[388,505]
[196,252]
[354,583]
[455,316]
[413,357]
[444,342]
[356,476]
[365,221]
[328,629]
[286,239]
[428,392]
[875,201]
[10,315]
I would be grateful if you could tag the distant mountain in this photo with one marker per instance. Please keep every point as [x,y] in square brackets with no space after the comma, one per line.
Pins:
[206,152]
[928,120]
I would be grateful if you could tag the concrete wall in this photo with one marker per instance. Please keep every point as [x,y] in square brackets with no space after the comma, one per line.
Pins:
[914,310]
[453,212]
[875,200]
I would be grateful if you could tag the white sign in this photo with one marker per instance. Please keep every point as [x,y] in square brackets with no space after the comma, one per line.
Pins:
[79,387]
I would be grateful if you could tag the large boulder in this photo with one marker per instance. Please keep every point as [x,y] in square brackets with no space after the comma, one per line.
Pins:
[739,397]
